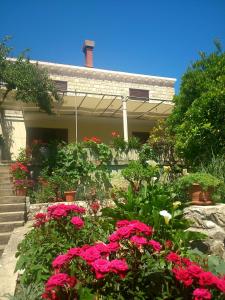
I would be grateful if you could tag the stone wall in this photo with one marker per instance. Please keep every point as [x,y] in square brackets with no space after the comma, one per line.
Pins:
[114,87]
[209,220]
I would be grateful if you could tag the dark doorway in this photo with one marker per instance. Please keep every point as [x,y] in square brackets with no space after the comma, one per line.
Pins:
[142,136]
[46,134]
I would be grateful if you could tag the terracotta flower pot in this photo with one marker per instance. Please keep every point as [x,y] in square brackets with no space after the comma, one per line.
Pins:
[70,196]
[21,192]
[199,196]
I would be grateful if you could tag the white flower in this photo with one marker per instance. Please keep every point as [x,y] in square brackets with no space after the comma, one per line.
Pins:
[167,216]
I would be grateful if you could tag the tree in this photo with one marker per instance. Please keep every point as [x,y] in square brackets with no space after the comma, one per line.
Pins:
[28,82]
[197,120]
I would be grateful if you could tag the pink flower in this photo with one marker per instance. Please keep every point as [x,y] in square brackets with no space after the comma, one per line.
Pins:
[77,222]
[155,245]
[194,270]
[201,294]
[90,254]
[183,276]
[122,223]
[113,246]
[58,213]
[138,240]
[173,257]
[60,260]
[119,267]
[101,267]
[141,227]
[60,279]
[206,278]
[75,208]
[102,248]
[114,237]
[124,232]
[73,252]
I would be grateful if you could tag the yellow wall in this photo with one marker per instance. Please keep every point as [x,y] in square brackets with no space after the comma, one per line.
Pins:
[87,126]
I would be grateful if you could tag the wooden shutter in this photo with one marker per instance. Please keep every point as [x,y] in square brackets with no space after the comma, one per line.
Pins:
[60,85]
[139,94]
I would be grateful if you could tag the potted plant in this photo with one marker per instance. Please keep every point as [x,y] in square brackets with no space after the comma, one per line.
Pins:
[21,186]
[70,190]
[200,186]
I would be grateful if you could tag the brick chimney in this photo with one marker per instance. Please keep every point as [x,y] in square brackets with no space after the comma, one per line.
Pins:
[88,51]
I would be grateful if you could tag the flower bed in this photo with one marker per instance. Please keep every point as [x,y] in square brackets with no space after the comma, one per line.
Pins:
[132,264]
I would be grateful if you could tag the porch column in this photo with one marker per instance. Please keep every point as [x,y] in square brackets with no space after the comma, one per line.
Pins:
[16,131]
[125,126]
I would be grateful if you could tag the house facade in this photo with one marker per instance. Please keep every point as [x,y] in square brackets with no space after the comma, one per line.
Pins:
[94,102]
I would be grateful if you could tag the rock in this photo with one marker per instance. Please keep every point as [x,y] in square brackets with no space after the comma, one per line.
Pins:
[209,220]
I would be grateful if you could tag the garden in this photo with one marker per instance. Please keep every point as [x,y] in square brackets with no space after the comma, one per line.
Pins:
[116,227]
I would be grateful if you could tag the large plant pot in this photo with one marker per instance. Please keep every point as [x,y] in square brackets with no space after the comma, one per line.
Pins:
[70,196]
[200,196]
[21,192]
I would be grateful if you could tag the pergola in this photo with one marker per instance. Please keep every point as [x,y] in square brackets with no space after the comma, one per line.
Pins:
[113,106]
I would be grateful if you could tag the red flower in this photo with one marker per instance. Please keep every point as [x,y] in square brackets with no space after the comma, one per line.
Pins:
[115,134]
[168,244]
[40,219]
[77,222]
[183,276]
[96,140]
[202,294]
[95,206]
[220,284]
[206,278]
[173,257]
[86,139]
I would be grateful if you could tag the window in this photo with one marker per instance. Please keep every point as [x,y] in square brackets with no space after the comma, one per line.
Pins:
[60,85]
[138,94]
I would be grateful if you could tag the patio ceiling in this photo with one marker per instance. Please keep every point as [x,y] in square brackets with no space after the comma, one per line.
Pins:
[103,105]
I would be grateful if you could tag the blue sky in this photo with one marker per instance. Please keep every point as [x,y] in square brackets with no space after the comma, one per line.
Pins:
[155,37]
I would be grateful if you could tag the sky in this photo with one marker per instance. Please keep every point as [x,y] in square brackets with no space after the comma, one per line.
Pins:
[153,37]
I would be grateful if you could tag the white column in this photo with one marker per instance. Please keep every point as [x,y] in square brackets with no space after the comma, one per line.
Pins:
[125,126]
[15,125]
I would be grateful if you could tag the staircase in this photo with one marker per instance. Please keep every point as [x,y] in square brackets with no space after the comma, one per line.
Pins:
[12,208]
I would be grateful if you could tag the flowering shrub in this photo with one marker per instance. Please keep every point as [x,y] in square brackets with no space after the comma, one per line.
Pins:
[132,265]
[94,139]
[19,170]
[61,227]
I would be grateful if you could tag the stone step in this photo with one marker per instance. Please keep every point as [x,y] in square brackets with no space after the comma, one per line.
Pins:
[12,207]
[4,237]
[5,180]
[6,185]
[4,169]
[12,216]
[5,175]
[6,192]
[12,199]
[9,226]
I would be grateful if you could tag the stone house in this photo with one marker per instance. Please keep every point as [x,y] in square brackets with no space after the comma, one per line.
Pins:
[95,102]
